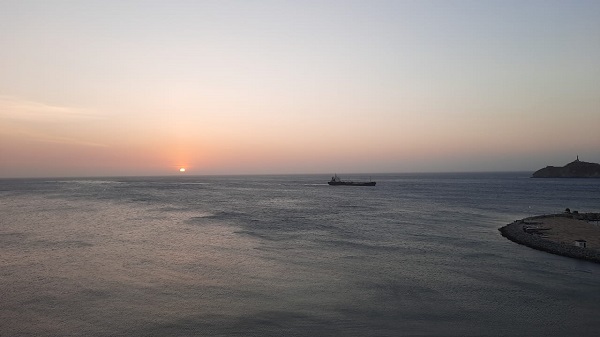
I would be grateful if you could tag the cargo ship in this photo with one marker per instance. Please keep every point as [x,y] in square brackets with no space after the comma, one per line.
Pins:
[336,181]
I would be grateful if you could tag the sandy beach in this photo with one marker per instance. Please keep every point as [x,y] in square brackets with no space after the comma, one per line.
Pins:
[557,234]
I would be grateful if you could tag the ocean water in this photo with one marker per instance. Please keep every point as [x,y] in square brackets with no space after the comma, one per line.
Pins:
[417,255]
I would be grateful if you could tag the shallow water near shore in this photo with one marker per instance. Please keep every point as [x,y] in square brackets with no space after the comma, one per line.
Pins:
[417,255]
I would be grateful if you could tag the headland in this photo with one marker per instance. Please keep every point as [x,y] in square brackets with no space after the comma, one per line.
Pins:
[574,169]
[568,234]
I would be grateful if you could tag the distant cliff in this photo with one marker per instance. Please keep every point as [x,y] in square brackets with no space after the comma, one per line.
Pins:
[575,169]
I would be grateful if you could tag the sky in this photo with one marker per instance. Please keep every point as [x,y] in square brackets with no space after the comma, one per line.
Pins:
[118,88]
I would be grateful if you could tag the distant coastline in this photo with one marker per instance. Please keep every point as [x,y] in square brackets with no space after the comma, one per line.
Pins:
[558,233]
[574,169]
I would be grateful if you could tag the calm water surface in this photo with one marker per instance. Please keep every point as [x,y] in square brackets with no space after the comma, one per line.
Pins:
[417,255]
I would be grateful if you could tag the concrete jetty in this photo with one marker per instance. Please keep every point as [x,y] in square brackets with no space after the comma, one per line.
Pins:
[568,234]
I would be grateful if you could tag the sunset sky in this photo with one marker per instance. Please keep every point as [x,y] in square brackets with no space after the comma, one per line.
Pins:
[91,88]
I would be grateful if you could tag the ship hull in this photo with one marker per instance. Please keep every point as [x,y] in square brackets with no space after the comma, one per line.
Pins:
[351,183]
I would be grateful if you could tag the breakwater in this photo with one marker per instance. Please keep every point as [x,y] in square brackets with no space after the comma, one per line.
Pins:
[521,232]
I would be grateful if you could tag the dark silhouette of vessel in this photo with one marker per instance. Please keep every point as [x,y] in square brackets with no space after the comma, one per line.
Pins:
[336,181]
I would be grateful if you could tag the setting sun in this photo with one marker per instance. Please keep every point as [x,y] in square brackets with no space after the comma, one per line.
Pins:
[182,169]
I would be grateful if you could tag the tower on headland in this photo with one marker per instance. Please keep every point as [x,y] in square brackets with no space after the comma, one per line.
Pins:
[574,169]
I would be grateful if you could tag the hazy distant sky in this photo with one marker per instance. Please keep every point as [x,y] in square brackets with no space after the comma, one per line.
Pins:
[220,87]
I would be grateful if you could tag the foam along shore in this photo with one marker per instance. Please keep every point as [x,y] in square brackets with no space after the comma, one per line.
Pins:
[570,234]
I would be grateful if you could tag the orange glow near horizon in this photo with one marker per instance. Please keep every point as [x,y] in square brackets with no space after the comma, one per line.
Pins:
[236,101]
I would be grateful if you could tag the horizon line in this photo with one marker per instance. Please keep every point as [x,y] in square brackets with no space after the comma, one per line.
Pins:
[255,174]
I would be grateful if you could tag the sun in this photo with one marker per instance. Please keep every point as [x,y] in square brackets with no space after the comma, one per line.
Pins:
[182,169]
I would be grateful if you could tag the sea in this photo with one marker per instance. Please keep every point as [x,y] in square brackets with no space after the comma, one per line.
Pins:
[289,255]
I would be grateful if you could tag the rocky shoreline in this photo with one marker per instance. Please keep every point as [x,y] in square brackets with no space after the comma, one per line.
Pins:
[535,232]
